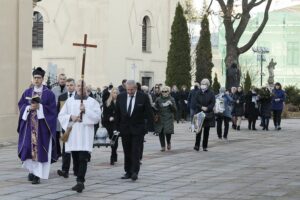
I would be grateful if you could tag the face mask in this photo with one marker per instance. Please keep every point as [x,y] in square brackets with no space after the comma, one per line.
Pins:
[203,87]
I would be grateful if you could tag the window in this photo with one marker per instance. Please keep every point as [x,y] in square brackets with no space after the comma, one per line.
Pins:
[146,35]
[292,53]
[37,30]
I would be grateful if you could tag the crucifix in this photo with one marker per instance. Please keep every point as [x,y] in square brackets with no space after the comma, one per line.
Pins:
[65,136]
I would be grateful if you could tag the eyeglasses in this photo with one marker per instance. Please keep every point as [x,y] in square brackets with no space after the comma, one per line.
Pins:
[156,87]
[164,91]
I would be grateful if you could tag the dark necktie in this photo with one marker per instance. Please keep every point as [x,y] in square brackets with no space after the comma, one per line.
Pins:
[70,95]
[130,105]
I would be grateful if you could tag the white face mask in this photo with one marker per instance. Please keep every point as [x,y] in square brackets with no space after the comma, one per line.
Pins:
[203,87]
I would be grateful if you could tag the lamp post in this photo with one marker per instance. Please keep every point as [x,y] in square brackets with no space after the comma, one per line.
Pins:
[261,51]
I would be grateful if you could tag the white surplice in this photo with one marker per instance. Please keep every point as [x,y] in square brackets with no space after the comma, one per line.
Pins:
[82,135]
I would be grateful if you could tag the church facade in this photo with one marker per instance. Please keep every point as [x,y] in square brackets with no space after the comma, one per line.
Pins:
[132,38]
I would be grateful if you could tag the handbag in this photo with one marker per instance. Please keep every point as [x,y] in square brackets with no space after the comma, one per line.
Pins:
[209,115]
[156,117]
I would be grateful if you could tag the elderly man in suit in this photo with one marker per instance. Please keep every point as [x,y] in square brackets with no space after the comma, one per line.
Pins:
[132,108]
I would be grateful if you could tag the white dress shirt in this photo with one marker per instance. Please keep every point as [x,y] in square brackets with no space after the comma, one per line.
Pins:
[132,103]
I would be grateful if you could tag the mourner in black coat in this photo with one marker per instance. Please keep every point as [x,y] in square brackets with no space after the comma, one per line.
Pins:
[132,108]
[109,122]
[205,101]
[251,108]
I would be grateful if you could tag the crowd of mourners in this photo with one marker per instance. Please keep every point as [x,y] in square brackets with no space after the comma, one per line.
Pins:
[74,112]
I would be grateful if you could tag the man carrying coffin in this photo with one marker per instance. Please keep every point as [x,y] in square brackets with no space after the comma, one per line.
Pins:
[77,117]
[37,128]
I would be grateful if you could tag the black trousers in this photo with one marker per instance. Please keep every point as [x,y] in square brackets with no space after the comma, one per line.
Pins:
[251,124]
[205,137]
[277,117]
[114,148]
[132,152]
[220,120]
[265,122]
[66,160]
[80,160]
[58,148]
[162,138]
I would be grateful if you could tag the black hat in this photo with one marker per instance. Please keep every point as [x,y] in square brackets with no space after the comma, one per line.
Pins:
[38,71]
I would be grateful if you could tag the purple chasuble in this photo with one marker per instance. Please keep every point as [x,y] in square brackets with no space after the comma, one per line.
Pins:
[34,133]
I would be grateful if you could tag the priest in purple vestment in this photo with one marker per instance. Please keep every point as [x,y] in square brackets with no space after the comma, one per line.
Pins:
[37,129]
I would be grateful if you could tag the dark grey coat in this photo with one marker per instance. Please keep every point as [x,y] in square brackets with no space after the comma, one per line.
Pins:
[166,113]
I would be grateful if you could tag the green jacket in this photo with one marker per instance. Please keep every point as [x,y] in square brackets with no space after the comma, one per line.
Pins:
[166,115]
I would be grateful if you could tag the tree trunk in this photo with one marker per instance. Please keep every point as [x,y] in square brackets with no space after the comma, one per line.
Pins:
[233,74]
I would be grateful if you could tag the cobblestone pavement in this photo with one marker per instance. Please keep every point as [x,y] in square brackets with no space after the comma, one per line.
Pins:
[252,165]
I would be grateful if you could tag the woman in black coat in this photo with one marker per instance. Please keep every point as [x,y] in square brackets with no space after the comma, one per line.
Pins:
[108,121]
[238,107]
[183,108]
[205,101]
[251,108]
[265,107]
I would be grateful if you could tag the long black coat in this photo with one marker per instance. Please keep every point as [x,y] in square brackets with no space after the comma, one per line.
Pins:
[238,104]
[134,124]
[265,107]
[251,108]
[206,99]
[109,111]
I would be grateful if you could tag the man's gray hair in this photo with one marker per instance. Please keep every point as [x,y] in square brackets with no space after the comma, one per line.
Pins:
[205,81]
[131,82]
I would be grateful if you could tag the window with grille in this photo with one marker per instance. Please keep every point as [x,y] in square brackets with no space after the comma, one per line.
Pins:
[146,35]
[37,30]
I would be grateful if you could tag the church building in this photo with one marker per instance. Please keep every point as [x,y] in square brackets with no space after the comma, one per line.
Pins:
[132,38]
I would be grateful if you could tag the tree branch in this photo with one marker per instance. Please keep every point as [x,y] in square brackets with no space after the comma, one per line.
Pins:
[223,6]
[207,10]
[255,35]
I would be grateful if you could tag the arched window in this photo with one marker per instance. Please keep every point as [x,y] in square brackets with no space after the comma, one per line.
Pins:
[37,30]
[146,35]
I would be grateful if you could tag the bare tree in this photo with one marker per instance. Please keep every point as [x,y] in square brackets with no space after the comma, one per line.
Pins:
[234,33]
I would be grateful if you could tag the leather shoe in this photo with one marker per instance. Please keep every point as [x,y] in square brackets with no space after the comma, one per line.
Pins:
[35,180]
[134,177]
[126,176]
[63,173]
[30,177]
[78,187]
[196,148]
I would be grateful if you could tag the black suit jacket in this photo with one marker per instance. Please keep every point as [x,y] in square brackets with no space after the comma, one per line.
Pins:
[134,124]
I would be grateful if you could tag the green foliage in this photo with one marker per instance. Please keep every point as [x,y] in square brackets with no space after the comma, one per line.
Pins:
[179,59]
[292,95]
[204,63]
[216,85]
[247,83]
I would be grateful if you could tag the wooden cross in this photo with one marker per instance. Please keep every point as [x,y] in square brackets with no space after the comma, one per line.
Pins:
[66,135]
[84,45]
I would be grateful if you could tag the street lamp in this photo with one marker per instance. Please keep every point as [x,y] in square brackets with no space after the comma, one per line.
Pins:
[261,51]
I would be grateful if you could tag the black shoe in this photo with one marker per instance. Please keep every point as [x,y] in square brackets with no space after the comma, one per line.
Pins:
[134,176]
[196,148]
[254,129]
[112,161]
[63,173]
[30,177]
[78,187]
[126,176]
[279,128]
[204,149]
[36,180]
[234,127]
[249,127]
[238,128]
